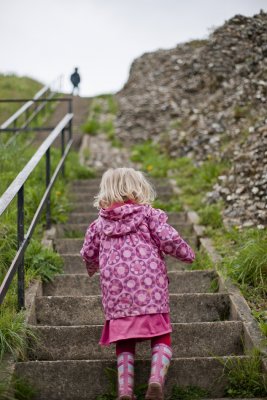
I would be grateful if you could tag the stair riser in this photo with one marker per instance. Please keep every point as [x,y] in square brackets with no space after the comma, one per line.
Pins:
[79,230]
[67,311]
[85,380]
[188,340]
[83,285]
[81,218]
[73,264]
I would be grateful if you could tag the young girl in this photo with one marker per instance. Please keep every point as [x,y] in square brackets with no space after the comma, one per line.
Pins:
[126,243]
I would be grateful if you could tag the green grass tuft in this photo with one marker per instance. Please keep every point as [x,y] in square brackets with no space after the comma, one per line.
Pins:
[210,215]
[13,334]
[187,393]
[245,378]
[92,127]
[172,205]
[74,170]
[249,264]
[43,261]
[73,234]
[202,261]
[214,286]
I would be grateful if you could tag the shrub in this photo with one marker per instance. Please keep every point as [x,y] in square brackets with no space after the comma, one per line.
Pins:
[92,127]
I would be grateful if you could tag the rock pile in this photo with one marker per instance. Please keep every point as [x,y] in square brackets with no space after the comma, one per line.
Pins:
[208,99]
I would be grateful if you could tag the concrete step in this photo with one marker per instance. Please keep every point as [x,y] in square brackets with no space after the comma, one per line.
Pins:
[88,310]
[73,264]
[86,182]
[84,205]
[86,379]
[83,285]
[74,245]
[88,196]
[87,217]
[199,339]
[79,230]
[159,184]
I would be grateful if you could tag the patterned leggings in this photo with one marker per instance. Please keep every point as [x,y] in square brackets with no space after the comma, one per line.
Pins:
[129,344]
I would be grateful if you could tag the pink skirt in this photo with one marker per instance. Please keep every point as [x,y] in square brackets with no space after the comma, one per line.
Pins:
[140,327]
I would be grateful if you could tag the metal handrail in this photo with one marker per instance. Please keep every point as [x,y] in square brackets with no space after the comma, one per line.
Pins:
[25,109]
[27,105]
[17,188]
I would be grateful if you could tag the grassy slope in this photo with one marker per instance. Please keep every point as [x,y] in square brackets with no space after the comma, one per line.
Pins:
[11,87]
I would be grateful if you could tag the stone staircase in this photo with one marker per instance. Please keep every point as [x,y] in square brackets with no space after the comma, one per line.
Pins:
[68,363]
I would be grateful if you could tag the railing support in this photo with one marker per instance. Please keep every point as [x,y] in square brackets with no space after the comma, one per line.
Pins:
[62,150]
[16,188]
[70,122]
[48,202]
[20,239]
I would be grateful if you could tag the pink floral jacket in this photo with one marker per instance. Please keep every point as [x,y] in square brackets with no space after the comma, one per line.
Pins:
[127,245]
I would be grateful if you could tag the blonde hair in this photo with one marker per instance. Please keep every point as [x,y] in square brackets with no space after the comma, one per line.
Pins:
[122,184]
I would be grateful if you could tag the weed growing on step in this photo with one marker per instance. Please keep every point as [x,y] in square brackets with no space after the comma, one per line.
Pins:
[177,393]
[261,317]
[23,389]
[245,378]
[214,285]
[111,394]
[13,387]
[73,234]
[187,393]
[42,261]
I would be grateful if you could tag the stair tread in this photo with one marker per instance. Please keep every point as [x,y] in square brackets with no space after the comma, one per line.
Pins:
[185,307]
[68,379]
[70,342]
[82,284]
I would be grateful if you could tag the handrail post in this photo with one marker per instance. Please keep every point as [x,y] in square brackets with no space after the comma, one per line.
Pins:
[70,123]
[20,238]
[48,202]
[63,149]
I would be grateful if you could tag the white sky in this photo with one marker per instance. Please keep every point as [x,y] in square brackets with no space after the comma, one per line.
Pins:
[46,38]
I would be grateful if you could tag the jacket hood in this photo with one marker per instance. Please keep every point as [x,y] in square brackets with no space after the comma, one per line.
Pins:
[122,219]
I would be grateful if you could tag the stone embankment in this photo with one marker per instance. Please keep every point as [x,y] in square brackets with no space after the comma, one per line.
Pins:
[207,99]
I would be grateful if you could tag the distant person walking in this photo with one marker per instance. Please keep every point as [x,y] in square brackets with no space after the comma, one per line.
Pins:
[75,80]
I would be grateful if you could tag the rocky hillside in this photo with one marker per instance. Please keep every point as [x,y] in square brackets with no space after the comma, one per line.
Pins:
[208,99]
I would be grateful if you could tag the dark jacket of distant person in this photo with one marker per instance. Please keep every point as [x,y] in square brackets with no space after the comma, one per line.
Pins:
[75,78]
